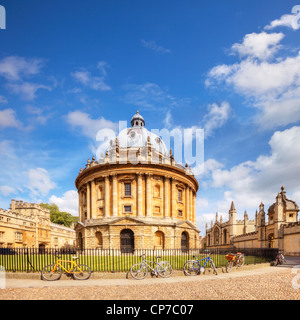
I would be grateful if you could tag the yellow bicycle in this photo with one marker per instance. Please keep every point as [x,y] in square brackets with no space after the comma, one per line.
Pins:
[54,271]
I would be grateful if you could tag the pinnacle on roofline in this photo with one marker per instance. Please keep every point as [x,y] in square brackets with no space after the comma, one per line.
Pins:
[232,207]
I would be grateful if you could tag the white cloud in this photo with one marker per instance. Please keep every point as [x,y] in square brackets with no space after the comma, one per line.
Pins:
[7,152]
[260,79]
[251,182]
[273,87]
[14,68]
[8,119]
[102,66]
[94,82]
[67,203]
[168,121]
[216,117]
[154,46]
[7,190]
[39,181]
[26,90]
[259,45]
[286,20]
[88,126]
[38,114]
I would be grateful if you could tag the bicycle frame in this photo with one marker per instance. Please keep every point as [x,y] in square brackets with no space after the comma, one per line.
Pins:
[156,263]
[72,267]
[207,259]
[238,258]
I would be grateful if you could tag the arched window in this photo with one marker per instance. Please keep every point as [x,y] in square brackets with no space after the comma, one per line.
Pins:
[159,240]
[99,240]
[216,236]
[127,241]
[184,241]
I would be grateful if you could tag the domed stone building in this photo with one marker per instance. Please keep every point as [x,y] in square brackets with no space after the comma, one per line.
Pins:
[136,196]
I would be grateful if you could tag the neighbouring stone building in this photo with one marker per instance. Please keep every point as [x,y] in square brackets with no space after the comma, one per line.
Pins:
[136,196]
[28,225]
[279,229]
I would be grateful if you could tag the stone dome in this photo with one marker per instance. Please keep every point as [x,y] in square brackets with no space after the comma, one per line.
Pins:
[138,137]
[288,204]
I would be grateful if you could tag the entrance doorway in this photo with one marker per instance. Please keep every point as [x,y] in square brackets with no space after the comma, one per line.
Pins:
[127,241]
[184,242]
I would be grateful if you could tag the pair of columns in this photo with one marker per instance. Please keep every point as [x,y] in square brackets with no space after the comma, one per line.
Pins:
[91,198]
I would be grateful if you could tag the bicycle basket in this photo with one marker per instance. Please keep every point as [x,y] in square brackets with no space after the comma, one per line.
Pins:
[230,257]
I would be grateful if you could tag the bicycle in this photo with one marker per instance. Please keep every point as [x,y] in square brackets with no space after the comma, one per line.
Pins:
[234,260]
[279,258]
[140,270]
[194,267]
[54,271]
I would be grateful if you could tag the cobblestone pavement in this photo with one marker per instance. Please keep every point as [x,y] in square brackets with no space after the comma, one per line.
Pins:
[266,283]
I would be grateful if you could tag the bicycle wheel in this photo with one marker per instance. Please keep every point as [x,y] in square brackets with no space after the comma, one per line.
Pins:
[229,266]
[51,272]
[82,272]
[191,268]
[139,271]
[164,269]
[241,261]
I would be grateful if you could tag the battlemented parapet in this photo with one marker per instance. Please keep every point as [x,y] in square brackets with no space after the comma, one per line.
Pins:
[280,228]
[28,224]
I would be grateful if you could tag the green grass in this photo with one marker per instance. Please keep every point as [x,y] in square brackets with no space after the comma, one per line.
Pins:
[107,263]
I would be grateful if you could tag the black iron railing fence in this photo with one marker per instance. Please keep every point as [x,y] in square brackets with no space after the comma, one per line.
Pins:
[114,260]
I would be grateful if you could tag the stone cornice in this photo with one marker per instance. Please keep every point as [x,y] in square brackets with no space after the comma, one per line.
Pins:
[107,169]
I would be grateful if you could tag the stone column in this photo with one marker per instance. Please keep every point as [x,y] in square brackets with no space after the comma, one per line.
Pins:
[187,203]
[191,204]
[93,212]
[167,196]
[88,200]
[80,205]
[174,199]
[194,202]
[107,198]
[115,195]
[139,195]
[148,194]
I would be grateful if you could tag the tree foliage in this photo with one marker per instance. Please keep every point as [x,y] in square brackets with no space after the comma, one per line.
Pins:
[59,217]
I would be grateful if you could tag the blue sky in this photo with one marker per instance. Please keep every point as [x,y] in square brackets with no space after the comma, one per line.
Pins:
[70,68]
